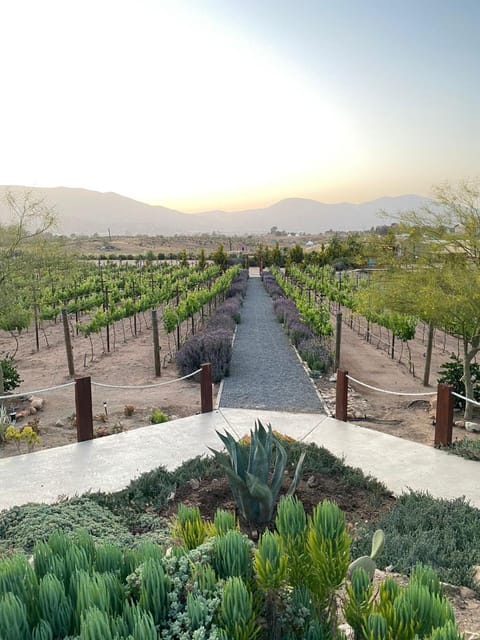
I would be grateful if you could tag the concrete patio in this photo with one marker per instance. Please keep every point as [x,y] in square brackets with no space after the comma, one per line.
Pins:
[110,463]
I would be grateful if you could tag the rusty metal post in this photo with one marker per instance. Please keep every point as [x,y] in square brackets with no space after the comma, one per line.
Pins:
[341,403]
[206,392]
[83,409]
[444,417]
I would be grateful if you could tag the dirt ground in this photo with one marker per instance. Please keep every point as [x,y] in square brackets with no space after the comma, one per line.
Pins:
[130,363]
[408,417]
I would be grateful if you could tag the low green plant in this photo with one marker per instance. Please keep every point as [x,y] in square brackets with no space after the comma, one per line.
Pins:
[5,422]
[11,377]
[444,534]
[368,562]
[220,590]
[157,416]
[22,527]
[237,613]
[255,472]
[452,373]
[232,555]
[466,448]
[189,527]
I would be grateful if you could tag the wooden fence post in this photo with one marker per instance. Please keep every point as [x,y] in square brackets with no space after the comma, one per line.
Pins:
[206,392]
[156,344]
[341,404]
[83,408]
[68,344]
[444,416]
[338,339]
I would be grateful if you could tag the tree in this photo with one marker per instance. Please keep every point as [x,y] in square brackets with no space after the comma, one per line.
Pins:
[26,251]
[219,257]
[202,261]
[29,217]
[436,272]
[296,254]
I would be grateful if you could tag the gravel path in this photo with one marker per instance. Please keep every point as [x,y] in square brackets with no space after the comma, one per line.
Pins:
[265,372]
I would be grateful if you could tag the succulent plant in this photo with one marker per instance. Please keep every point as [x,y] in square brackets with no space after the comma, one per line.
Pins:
[368,562]
[255,473]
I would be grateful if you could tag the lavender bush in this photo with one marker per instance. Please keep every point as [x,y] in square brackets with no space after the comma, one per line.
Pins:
[316,353]
[209,346]
[313,350]
[214,343]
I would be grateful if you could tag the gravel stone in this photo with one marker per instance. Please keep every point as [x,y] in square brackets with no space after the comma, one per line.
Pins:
[265,372]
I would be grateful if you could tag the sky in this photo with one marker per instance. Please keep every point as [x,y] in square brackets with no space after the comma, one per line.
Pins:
[232,104]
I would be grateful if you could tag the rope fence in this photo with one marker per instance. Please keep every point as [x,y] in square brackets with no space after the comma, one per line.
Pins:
[393,393]
[32,393]
[145,386]
[474,402]
[83,396]
[443,405]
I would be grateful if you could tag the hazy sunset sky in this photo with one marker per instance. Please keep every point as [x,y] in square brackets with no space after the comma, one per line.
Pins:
[229,104]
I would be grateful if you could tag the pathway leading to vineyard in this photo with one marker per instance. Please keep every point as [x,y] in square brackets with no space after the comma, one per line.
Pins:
[265,372]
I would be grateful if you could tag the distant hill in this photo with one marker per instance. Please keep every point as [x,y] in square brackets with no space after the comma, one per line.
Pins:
[88,212]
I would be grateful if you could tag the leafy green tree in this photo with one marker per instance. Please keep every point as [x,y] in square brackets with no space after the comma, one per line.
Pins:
[296,254]
[277,257]
[219,257]
[436,272]
[202,261]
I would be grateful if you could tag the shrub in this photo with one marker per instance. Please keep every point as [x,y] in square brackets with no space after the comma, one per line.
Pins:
[444,534]
[452,373]
[466,448]
[11,377]
[285,310]
[22,527]
[214,347]
[273,288]
[230,308]
[255,472]
[157,416]
[299,332]
[315,352]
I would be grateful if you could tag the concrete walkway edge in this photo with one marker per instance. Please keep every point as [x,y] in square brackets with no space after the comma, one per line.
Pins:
[110,463]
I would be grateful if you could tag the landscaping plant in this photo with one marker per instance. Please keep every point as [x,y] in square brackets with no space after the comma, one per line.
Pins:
[255,472]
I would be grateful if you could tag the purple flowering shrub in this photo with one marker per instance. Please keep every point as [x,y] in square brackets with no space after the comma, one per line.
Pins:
[313,350]
[286,311]
[214,343]
[316,353]
[299,332]
[238,286]
[208,346]
[273,289]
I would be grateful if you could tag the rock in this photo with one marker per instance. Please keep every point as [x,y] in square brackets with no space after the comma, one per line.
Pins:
[460,424]
[347,631]
[36,403]
[473,427]
[476,574]
[194,484]
[60,424]
[312,482]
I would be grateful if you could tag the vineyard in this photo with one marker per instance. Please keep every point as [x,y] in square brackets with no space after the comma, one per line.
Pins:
[108,321]
[111,299]
[401,336]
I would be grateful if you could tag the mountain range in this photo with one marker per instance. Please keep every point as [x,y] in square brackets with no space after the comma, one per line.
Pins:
[81,211]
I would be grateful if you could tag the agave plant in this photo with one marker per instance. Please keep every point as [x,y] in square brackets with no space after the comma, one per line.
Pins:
[255,473]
